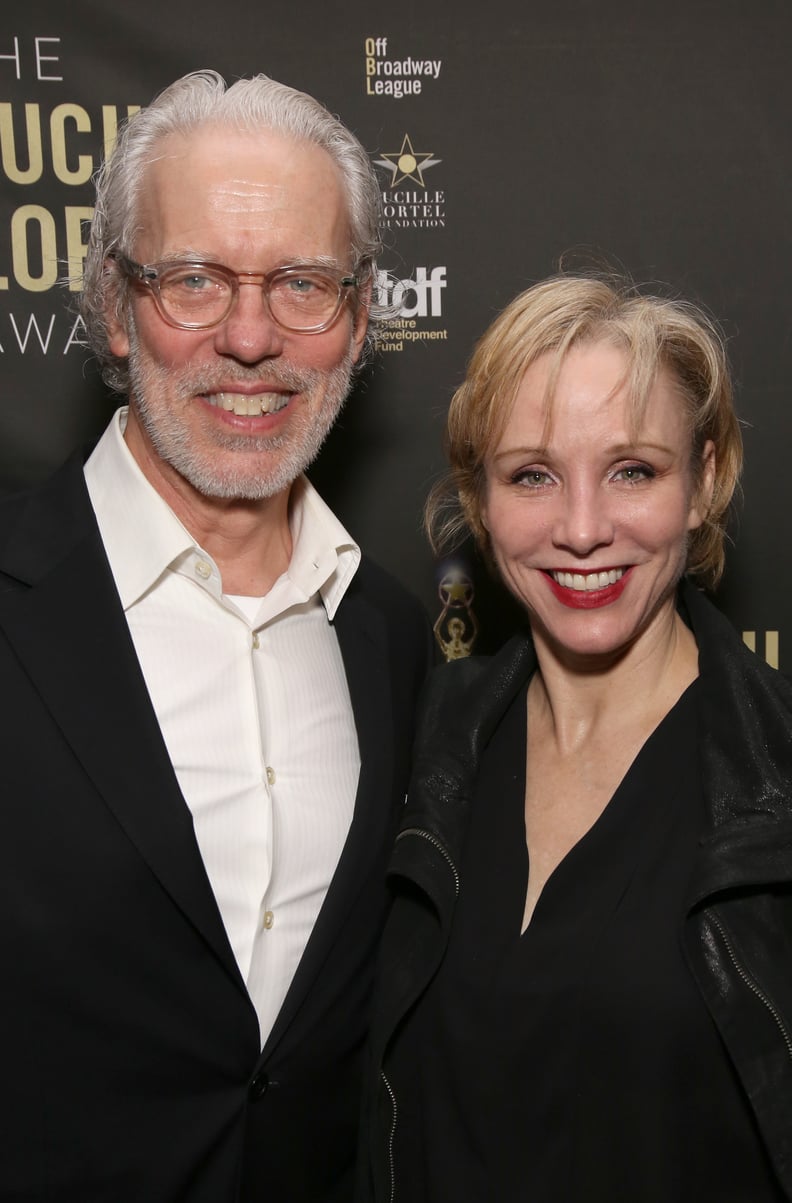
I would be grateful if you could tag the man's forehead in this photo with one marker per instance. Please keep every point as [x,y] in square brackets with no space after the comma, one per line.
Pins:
[219,180]
[236,194]
[219,153]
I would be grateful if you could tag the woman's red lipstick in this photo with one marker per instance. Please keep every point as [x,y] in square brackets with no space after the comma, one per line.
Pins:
[588,599]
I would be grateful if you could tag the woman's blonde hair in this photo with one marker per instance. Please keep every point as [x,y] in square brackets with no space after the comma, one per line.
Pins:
[552,317]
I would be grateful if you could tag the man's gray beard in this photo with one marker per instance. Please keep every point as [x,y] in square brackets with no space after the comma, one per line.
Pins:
[282,457]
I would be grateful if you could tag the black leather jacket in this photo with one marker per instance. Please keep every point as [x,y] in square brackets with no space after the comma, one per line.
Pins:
[738,931]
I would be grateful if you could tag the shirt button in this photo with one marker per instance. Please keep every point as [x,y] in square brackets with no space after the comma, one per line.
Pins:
[259,1085]
[256,642]
[270,775]
[269,920]
[203,569]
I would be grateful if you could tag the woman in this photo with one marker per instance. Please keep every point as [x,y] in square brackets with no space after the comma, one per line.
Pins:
[586,984]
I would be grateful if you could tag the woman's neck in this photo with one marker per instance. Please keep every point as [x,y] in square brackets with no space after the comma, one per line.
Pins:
[573,700]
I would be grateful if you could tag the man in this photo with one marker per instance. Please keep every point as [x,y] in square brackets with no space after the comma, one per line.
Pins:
[208,695]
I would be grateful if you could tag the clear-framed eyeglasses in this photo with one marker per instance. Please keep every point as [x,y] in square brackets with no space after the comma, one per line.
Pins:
[191,295]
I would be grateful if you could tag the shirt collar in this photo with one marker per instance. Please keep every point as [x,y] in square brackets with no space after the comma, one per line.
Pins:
[324,556]
[143,537]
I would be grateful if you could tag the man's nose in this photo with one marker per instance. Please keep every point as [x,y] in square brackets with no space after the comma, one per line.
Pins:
[249,333]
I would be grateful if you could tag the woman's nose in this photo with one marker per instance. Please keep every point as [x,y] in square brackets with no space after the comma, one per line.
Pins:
[585,521]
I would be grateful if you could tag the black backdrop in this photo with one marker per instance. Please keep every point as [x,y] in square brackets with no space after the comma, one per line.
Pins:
[654,136]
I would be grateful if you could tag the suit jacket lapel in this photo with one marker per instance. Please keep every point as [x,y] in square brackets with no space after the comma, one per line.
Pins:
[362,637]
[65,622]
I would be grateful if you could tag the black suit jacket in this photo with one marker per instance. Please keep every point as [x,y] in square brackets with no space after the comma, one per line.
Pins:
[131,1065]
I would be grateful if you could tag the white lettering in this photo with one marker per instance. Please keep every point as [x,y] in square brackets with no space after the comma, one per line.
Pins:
[420,297]
[46,58]
[73,340]
[22,339]
[15,58]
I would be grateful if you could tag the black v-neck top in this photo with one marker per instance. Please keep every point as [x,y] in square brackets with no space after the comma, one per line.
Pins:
[578,1062]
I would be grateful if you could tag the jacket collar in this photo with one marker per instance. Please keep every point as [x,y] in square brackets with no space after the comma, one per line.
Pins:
[60,611]
[745,756]
[462,706]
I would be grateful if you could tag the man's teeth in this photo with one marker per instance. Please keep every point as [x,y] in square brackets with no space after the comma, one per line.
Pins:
[588,582]
[249,407]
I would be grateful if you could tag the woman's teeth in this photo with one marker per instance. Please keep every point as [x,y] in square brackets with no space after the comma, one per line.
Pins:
[589,581]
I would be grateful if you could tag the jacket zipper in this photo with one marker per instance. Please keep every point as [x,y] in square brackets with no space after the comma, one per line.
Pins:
[427,835]
[752,985]
[392,1135]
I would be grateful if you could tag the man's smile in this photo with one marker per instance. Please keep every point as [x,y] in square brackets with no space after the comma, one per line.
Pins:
[244,406]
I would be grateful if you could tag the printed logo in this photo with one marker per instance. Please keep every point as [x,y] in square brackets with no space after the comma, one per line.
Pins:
[407,164]
[396,77]
[403,206]
[420,296]
[46,146]
[456,627]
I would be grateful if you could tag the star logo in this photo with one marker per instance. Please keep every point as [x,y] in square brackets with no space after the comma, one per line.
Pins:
[456,588]
[407,164]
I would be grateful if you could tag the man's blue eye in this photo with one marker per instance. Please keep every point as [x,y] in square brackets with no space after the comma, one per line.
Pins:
[195,283]
[302,284]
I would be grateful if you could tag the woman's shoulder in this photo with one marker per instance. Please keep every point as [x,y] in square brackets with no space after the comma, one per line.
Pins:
[470,693]
[745,726]
[725,660]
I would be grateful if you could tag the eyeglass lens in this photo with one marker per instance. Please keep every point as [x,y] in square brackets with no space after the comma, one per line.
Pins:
[298,299]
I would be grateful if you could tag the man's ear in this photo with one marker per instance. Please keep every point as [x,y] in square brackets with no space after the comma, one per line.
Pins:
[117,337]
[360,319]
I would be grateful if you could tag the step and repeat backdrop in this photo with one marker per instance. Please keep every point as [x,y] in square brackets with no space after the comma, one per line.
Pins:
[653,137]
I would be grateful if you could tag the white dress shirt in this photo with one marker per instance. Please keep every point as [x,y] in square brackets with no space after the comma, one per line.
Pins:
[252,700]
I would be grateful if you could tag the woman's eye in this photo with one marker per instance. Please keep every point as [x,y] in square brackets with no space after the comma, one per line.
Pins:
[633,473]
[531,478]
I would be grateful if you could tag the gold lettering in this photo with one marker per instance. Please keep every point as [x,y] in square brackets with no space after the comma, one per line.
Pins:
[76,245]
[21,221]
[110,124]
[15,173]
[80,174]
[770,645]
[771,648]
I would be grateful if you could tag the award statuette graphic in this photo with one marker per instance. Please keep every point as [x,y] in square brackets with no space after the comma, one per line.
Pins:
[456,627]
